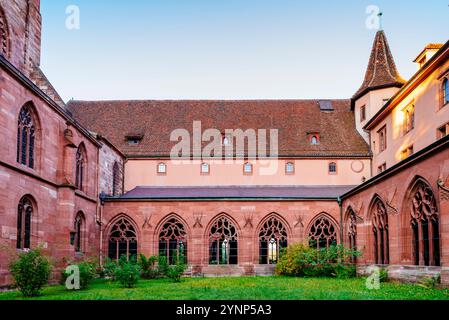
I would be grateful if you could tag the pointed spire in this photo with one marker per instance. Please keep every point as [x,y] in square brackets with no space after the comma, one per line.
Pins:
[381,71]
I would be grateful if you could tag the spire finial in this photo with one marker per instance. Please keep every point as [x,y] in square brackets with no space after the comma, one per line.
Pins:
[380,15]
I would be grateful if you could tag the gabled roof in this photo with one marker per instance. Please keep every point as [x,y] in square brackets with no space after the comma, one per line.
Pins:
[155,120]
[381,71]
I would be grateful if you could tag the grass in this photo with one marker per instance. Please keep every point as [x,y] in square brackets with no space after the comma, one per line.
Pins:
[246,288]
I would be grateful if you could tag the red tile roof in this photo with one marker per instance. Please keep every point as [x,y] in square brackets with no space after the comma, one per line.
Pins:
[155,120]
[236,192]
[381,71]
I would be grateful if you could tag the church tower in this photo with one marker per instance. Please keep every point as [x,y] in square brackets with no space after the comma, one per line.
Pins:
[382,81]
[20,33]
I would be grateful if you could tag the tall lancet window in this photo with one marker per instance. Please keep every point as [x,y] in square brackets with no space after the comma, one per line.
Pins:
[425,226]
[80,167]
[26,137]
[380,232]
[272,239]
[223,242]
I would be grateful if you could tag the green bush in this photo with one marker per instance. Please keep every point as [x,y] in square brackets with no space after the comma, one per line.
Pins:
[302,261]
[175,271]
[128,272]
[162,265]
[149,268]
[87,272]
[109,268]
[383,275]
[31,271]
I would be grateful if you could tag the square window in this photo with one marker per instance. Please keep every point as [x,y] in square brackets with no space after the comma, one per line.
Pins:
[289,168]
[205,168]
[248,168]
[162,168]
[333,168]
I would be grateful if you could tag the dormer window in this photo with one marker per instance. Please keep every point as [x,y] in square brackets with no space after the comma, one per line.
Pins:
[134,139]
[162,168]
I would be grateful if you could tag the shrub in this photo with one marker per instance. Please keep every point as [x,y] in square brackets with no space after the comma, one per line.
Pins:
[303,261]
[87,272]
[31,271]
[162,265]
[175,271]
[148,266]
[127,272]
[109,268]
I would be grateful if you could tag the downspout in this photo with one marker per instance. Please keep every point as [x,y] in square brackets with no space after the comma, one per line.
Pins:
[340,204]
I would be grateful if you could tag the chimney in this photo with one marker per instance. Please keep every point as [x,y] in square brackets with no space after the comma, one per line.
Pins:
[427,53]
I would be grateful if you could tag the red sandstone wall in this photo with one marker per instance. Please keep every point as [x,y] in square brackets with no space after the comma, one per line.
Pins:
[248,216]
[394,190]
[50,183]
[24,29]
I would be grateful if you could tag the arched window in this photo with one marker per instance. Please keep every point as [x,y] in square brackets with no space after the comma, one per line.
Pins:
[352,231]
[272,239]
[248,168]
[80,167]
[323,233]
[223,245]
[380,232]
[289,168]
[333,168]
[26,137]
[173,241]
[116,179]
[425,226]
[205,168]
[122,240]
[4,35]
[162,168]
[314,140]
[79,225]
[446,91]
[24,214]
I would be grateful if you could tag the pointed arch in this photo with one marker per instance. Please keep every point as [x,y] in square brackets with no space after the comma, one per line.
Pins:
[80,232]
[273,237]
[122,238]
[223,240]
[380,230]
[27,135]
[421,220]
[351,229]
[323,231]
[25,211]
[81,165]
[173,238]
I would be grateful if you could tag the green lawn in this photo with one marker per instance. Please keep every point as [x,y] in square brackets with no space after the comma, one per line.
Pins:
[247,288]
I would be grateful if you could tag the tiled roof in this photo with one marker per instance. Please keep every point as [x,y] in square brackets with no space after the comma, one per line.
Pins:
[237,192]
[381,71]
[155,120]
[39,79]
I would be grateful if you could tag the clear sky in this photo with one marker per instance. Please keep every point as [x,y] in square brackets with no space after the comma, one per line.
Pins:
[227,49]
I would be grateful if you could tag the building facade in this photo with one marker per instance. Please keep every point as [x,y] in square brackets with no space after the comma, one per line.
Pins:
[226,184]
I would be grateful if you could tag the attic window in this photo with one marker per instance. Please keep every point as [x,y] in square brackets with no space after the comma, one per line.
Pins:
[326,105]
[134,139]
[314,138]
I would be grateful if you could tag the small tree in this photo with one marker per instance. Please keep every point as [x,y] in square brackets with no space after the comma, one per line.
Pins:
[87,273]
[128,272]
[148,266]
[31,271]
[175,271]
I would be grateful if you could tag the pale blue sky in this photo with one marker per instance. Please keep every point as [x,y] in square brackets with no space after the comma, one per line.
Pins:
[227,49]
